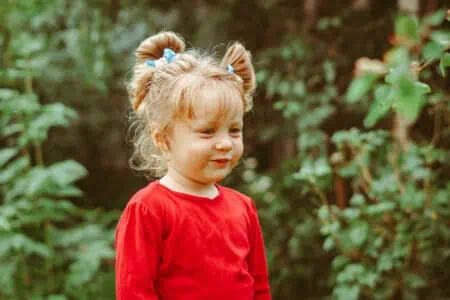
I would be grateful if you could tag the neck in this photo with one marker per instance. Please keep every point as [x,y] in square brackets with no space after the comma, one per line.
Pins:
[178,183]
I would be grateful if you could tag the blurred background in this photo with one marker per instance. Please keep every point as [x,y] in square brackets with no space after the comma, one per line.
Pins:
[347,148]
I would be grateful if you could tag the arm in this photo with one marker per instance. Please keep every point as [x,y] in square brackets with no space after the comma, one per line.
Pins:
[138,250]
[257,259]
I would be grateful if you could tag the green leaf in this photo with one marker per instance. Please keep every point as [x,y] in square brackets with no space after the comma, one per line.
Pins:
[351,273]
[369,279]
[324,212]
[397,56]
[339,262]
[359,87]
[435,18]
[432,50]
[445,62]
[88,262]
[322,168]
[380,208]
[66,191]
[284,88]
[358,233]
[51,115]
[350,214]
[409,99]
[8,269]
[441,36]
[407,27]
[346,292]
[13,169]
[56,297]
[380,106]
[20,242]
[286,53]
[330,228]
[385,262]
[357,200]
[36,181]
[299,89]
[323,24]
[12,129]
[261,76]
[67,172]
[6,94]
[6,155]
[414,280]
[329,71]
[328,244]
[4,224]
[26,104]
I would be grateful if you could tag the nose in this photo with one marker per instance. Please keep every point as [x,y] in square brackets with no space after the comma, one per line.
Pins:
[224,143]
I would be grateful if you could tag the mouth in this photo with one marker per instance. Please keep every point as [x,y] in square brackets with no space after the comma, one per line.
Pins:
[222,162]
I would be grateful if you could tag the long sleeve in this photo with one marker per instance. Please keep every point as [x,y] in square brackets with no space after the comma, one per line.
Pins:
[257,260]
[138,250]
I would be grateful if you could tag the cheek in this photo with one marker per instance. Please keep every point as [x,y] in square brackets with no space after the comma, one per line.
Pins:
[239,148]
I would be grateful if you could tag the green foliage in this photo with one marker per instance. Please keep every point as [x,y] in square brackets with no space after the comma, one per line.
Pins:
[37,244]
[387,238]
[49,247]
[390,239]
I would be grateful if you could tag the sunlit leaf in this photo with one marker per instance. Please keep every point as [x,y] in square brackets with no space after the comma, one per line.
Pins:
[359,87]
[13,169]
[409,98]
[407,26]
[436,18]
[432,50]
[6,155]
[67,172]
[380,106]
[441,36]
[358,233]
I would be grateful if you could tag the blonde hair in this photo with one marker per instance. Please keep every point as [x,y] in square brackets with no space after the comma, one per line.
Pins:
[166,92]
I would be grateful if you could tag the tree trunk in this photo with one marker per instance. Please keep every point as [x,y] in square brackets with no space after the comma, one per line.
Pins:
[409,6]
[310,13]
[361,4]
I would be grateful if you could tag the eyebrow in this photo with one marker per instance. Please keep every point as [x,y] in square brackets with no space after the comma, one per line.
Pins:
[214,123]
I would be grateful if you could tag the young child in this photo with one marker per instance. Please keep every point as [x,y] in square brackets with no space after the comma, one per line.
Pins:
[184,236]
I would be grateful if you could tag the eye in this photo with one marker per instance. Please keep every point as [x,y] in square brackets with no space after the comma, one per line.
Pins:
[235,130]
[207,131]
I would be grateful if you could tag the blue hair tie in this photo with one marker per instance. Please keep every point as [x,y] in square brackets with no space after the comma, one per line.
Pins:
[230,69]
[150,62]
[169,55]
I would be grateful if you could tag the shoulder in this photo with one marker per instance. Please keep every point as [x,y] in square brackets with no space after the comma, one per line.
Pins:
[240,198]
[150,199]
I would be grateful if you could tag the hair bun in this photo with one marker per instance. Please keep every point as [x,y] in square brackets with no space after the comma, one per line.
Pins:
[240,60]
[153,47]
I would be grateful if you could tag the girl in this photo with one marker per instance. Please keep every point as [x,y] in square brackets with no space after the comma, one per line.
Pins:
[185,236]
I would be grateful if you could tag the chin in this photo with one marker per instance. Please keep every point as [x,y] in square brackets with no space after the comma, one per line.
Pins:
[215,179]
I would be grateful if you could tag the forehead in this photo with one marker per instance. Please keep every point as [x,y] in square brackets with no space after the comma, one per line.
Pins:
[216,103]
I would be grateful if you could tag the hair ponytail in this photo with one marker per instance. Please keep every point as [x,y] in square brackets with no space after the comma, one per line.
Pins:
[151,48]
[240,60]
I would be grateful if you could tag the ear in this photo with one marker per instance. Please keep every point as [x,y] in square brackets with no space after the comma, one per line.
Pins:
[158,139]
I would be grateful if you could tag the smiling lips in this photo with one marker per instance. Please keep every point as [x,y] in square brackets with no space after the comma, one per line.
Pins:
[221,161]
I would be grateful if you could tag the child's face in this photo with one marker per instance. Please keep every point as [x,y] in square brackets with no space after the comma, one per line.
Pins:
[204,150]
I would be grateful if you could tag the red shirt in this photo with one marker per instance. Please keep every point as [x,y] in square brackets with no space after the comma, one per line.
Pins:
[172,246]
